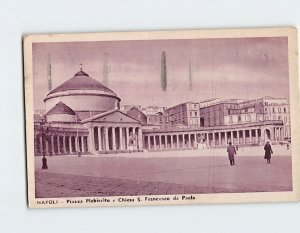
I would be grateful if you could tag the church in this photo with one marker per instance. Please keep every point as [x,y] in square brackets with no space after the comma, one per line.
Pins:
[83,116]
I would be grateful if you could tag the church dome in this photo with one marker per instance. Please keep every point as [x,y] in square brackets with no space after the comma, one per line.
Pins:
[82,81]
[61,113]
[61,108]
[84,95]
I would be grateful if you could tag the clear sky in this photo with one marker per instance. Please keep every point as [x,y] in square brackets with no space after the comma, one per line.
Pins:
[225,68]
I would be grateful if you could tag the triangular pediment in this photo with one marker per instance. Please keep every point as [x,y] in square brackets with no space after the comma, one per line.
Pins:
[114,116]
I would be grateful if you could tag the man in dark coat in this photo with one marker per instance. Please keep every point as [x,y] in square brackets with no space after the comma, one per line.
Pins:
[231,152]
[268,152]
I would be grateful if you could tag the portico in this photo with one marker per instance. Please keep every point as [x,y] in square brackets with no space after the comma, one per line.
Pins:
[244,134]
[113,132]
[58,141]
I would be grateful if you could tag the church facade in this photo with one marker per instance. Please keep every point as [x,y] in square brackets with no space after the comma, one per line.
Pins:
[83,116]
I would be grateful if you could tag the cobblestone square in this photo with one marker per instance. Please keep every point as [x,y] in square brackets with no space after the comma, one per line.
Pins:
[71,176]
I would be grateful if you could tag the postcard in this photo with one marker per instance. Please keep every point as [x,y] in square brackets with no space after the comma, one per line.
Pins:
[162,117]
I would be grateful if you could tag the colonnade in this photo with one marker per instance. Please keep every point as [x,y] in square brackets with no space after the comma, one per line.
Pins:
[117,138]
[212,138]
[278,134]
[60,144]
[236,137]
[159,141]
[125,138]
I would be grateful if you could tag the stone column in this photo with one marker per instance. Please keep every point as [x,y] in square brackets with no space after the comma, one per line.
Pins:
[113,138]
[171,141]
[52,144]
[250,135]
[177,141]
[226,140]
[213,139]
[58,145]
[207,139]
[91,140]
[82,144]
[238,137]
[231,137]
[256,135]
[244,137]
[127,138]
[47,147]
[64,145]
[220,138]
[106,139]
[76,144]
[160,145]
[70,144]
[149,142]
[121,138]
[99,139]
[154,140]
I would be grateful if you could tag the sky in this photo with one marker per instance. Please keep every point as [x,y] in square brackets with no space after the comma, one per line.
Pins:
[243,68]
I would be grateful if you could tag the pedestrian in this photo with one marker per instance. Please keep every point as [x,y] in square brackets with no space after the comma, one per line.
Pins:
[231,152]
[44,162]
[268,152]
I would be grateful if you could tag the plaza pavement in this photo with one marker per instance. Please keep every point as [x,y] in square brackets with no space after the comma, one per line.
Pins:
[154,173]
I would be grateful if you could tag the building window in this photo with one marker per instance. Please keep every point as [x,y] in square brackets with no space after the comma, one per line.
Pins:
[230,119]
[239,118]
[279,109]
[273,109]
[284,110]
[266,118]
[195,113]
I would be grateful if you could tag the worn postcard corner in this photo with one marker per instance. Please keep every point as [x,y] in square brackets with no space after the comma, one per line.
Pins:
[159,118]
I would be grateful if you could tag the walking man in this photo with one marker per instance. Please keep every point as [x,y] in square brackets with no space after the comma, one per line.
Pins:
[268,152]
[231,152]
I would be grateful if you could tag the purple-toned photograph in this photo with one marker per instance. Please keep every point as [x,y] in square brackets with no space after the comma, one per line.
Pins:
[158,117]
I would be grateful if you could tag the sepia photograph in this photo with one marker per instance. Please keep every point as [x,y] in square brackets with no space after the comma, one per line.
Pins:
[162,117]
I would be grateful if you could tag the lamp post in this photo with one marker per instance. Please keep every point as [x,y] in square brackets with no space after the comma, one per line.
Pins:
[44,129]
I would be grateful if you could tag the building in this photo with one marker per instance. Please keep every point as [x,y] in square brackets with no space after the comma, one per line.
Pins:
[261,110]
[185,114]
[217,112]
[82,115]
[149,119]
[137,114]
